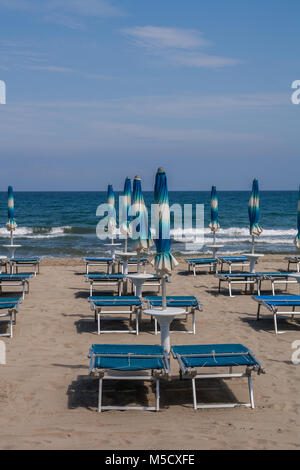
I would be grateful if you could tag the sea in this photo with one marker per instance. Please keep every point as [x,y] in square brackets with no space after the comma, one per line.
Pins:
[63,224]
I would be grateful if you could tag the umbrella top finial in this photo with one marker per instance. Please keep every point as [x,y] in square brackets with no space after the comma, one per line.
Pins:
[137,178]
[160,170]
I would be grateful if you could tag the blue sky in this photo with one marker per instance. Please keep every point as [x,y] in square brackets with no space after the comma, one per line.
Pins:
[99,89]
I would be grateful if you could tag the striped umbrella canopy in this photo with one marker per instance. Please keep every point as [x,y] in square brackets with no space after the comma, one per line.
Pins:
[126,203]
[297,239]
[214,212]
[254,213]
[164,261]
[111,224]
[140,227]
[11,224]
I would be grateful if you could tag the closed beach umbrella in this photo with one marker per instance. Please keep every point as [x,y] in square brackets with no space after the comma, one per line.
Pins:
[297,239]
[126,203]
[11,224]
[111,224]
[164,261]
[254,213]
[214,212]
[141,234]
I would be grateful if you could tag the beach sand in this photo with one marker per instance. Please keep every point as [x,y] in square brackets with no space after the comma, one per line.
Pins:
[48,401]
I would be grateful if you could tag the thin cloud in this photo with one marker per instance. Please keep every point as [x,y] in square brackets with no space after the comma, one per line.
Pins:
[181,47]
[158,37]
[66,13]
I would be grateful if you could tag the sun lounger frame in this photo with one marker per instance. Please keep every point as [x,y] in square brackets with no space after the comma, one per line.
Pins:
[190,310]
[109,374]
[187,373]
[274,309]
[99,262]
[18,282]
[292,260]
[193,265]
[12,316]
[99,312]
[246,279]
[104,282]
[15,263]
[232,261]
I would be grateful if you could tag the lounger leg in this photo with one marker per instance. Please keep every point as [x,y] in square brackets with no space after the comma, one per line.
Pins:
[137,313]
[11,325]
[258,287]
[155,326]
[194,393]
[229,288]
[258,312]
[99,329]
[194,322]
[100,395]
[91,289]
[273,288]
[194,269]
[251,391]
[275,323]
[157,395]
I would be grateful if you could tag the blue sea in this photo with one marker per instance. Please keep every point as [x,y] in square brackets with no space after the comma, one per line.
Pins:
[60,224]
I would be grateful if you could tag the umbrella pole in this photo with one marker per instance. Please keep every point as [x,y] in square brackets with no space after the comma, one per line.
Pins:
[126,244]
[214,238]
[164,292]
[252,251]
[138,262]
[11,237]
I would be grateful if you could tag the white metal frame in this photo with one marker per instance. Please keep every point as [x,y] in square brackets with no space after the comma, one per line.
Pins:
[189,311]
[147,283]
[191,374]
[232,263]
[293,260]
[17,264]
[193,266]
[276,280]
[274,310]
[24,283]
[107,264]
[105,283]
[12,314]
[108,374]
[133,310]
[249,281]
[130,265]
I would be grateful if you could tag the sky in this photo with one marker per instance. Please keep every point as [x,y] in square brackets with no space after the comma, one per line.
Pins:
[99,89]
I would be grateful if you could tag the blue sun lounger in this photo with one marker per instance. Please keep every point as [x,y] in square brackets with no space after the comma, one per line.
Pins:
[133,263]
[8,309]
[197,263]
[107,262]
[190,303]
[105,280]
[232,261]
[247,279]
[293,260]
[278,278]
[154,281]
[275,304]
[195,358]
[104,305]
[16,263]
[17,280]
[128,362]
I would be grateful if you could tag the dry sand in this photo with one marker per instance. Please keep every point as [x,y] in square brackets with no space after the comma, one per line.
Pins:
[48,401]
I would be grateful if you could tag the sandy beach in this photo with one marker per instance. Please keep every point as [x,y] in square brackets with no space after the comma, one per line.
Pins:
[48,401]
